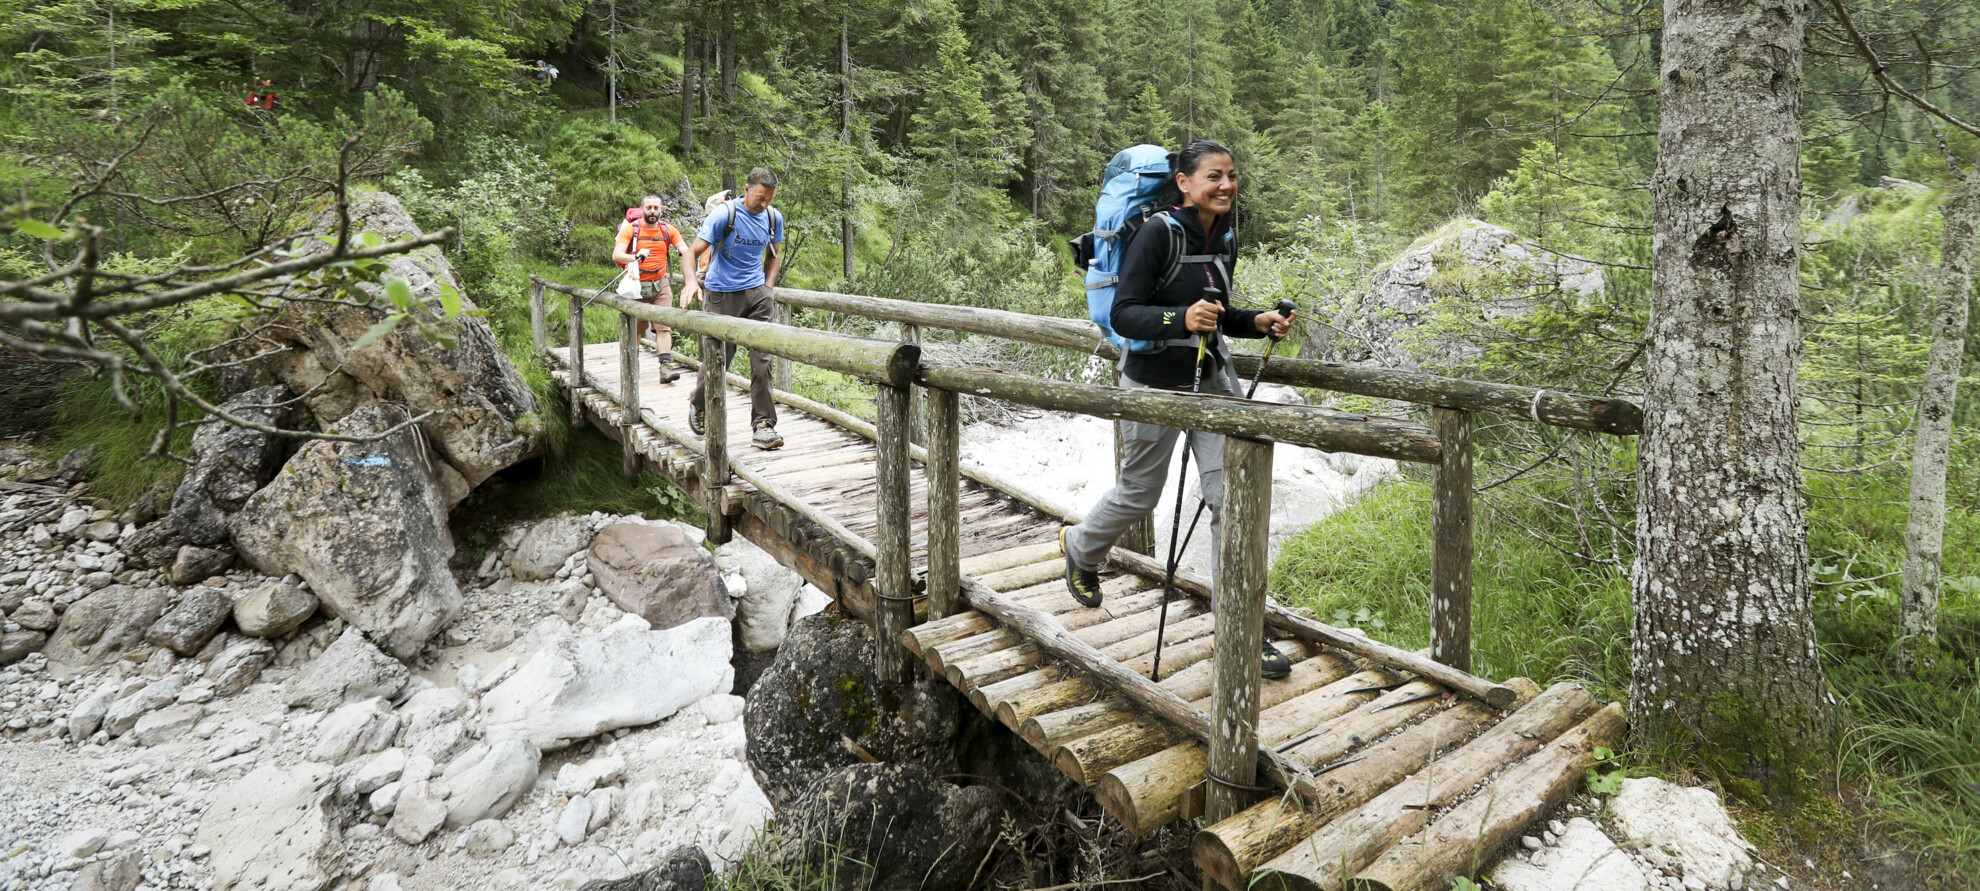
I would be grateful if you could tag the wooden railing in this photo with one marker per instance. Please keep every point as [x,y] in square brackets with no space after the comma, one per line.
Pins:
[1251,430]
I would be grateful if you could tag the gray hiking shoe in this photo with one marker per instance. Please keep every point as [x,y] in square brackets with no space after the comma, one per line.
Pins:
[1083,584]
[766,437]
[1273,664]
[696,423]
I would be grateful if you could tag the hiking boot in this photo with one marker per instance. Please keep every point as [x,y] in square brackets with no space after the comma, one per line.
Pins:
[766,437]
[696,423]
[1273,664]
[1083,584]
[668,373]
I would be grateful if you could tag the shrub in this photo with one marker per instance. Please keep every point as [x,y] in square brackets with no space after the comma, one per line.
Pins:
[600,169]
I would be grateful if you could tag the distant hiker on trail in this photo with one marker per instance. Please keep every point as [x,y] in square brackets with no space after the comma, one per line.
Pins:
[263,96]
[1173,295]
[645,241]
[740,233]
[545,75]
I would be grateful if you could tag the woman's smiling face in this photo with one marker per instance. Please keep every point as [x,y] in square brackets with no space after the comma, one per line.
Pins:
[1212,186]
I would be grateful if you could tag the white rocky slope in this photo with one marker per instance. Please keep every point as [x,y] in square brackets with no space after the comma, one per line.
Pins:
[313,761]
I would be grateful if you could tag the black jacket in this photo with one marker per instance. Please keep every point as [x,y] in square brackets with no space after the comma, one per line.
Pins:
[1143,313]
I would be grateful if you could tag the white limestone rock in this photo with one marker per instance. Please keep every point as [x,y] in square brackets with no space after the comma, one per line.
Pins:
[489,785]
[1687,824]
[419,813]
[581,685]
[358,728]
[351,669]
[272,829]
[1585,857]
[488,838]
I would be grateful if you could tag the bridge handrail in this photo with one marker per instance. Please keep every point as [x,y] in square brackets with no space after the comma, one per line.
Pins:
[880,361]
[1602,414]
[900,364]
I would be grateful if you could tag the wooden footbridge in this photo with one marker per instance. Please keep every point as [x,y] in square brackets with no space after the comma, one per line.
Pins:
[1369,767]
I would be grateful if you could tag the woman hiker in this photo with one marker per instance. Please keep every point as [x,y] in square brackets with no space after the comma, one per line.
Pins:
[1173,299]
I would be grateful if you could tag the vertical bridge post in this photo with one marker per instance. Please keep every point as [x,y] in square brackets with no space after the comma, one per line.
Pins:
[893,606]
[715,444]
[629,395]
[1239,626]
[1451,544]
[780,374]
[539,320]
[919,425]
[576,358]
[944,503]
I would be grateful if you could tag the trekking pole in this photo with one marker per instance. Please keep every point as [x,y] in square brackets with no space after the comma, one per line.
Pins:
[1286,307]
[608,286]
[1182,480]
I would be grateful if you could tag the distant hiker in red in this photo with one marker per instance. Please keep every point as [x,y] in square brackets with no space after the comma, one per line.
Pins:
[263,96]
[645,241]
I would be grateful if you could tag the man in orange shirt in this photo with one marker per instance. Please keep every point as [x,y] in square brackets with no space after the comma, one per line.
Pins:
[645,241]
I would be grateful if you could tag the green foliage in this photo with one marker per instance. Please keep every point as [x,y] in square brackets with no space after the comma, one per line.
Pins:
[600,169]
[584,477]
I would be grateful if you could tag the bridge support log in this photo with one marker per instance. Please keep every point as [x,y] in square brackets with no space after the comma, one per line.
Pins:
[715,444]
[629,395]
[1451,540]
[1457,843]
[1240,626]
[893,589]
[539,321]
[943,471]
[577,358]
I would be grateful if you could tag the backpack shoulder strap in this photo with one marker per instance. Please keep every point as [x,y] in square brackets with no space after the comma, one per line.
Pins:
[1177,244]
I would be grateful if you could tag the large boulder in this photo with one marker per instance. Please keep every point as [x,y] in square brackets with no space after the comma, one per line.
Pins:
[199,615]
[657,574]
[349,669]
[484,416]
[887,827]
[544,548]
[491,781]
[273,829]
[580,685]
[230,463]
[820,691]
[273,610]
[366,525]
[1418,309]
[106,626]
[768,595]
[1684,826]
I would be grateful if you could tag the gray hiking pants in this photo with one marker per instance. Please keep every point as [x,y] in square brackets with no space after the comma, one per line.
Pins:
[754,303]
[1144,471]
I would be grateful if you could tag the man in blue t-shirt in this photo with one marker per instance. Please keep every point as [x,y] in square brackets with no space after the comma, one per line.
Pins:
[740,234]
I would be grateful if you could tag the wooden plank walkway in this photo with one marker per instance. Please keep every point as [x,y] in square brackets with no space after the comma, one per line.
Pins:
[1407,771]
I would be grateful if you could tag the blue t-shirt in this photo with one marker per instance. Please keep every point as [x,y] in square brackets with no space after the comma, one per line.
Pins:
[738,263]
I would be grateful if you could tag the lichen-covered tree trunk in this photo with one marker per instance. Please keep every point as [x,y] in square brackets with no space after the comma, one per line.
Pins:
[1918,606]
[1723,648]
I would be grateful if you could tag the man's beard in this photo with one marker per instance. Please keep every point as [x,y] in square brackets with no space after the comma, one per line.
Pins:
[653,218]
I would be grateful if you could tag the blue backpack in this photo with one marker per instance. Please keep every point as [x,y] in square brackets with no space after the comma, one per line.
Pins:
[1129,187]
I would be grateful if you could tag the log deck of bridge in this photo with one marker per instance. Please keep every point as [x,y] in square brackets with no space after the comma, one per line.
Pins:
[1366,768]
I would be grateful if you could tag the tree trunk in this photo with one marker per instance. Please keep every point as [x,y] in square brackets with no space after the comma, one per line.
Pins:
[846,233]
[690,72]
[1723,649]
[1918,605]
[612,68]
[726,52]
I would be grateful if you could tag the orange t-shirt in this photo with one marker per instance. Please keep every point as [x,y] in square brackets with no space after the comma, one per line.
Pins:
[636,235]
